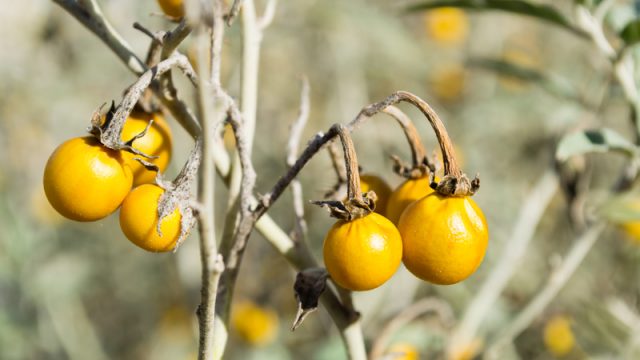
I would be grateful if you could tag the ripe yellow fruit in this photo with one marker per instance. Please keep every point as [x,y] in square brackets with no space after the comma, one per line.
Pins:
[403,351]
[139,220]
[558,337]
[256,325]
[408,192]
[362,254]
[632,229]
[86,181]
[446,25]
[156,142]
[447,82]
[444,238]
[173,8]
[380,187]
[521,58]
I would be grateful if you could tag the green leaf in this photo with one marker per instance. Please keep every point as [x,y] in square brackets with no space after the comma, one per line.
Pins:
[507,68]
[600,140]
[631,32]
[542,12]
[621,209]
[555,85]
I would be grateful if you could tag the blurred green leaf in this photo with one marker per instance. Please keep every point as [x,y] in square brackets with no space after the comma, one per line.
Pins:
[553,84]
[631,32]
[621,209]
[599,140]
[506,68]
[542,12]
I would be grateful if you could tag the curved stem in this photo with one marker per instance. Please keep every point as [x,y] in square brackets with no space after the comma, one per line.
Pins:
[351,162]
[446,146]
[418,154]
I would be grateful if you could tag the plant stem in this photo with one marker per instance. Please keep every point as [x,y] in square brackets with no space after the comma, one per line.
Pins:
[351,162]
[418,154]
[446,145]
[212,109]
[557,280]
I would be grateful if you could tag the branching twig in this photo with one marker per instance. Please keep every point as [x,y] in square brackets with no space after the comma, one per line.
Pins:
[89,14]
[93,19]
[134,93]
[268,15]
[233,11]
[292,152]
[212,113]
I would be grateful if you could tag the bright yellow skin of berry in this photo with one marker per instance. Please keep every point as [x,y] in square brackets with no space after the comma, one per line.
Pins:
[173,8]
[408,192]
[632,229]
[85,181]
[139,219]
[156,142]
[444,238]
[376,184]
[364,253]
[558,337]
[256,325]
[446,25]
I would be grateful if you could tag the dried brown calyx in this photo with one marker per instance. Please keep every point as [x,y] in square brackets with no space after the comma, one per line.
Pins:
[177,193]
[357,204]
[108,131]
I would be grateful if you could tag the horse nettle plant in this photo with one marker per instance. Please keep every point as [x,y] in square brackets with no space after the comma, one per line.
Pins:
[433,215]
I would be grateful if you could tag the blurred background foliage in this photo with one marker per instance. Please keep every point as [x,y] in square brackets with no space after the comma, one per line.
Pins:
[506,86]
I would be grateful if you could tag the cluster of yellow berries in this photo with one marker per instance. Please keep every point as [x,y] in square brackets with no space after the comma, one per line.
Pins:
[86,181]
[441,239]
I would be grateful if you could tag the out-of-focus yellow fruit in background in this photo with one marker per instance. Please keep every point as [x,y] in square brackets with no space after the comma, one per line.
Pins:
[465,352]
[446,25]
[402,351]
[41,209]
[558,336]
[521,58]
[254,324]
[447,83]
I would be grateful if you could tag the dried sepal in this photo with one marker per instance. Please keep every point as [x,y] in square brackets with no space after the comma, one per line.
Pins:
[177,193]
[109,132]
[350,209]
[424,168]
[308,287]
[457,186]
